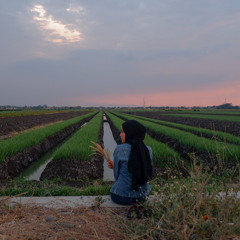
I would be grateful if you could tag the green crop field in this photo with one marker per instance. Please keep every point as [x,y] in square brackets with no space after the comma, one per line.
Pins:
[210,117]
[226,137]
[30,138]
[78,146]
[223,150]
[29,112]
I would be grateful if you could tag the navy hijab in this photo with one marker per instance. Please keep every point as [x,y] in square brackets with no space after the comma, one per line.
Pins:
[139,163]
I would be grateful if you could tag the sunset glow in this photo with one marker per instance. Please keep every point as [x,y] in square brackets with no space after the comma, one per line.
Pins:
[211,96]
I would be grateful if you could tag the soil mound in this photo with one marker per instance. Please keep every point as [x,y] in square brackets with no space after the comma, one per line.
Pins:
[74,169]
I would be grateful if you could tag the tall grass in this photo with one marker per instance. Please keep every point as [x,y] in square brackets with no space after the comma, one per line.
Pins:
[78,146]
[20,142]
[184,209]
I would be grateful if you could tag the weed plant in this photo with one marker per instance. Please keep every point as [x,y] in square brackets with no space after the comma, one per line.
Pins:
[53,188]
[184,209]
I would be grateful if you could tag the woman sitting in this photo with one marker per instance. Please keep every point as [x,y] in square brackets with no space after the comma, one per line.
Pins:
[132,166]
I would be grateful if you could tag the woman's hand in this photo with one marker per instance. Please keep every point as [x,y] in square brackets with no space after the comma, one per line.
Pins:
[110,164]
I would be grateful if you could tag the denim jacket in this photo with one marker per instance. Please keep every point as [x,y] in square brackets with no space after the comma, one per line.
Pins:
[123,184]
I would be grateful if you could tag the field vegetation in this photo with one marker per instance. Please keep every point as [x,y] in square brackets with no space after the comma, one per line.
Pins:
[219,117]
[214,135]
[29,112]
[78,146]
[184,111]
[211,112]
[215,149]
[30,138]
[202,206]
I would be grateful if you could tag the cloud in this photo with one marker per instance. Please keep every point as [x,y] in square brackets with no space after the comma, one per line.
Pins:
[117,51]
[76,9]
[55,31]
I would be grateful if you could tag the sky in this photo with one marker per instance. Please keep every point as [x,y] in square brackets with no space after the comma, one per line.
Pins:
[119,52]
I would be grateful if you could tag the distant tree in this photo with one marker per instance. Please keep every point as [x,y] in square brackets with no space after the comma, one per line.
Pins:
[227,106]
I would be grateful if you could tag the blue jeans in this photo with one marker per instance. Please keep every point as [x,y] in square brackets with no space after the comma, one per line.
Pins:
[126,200]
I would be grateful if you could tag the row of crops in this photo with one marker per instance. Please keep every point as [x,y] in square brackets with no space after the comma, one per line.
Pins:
[73,159]
[229,123]
[217,135]
[28,139]
[211,112]
[171,142]
[77,147]
[182,139]
[210,117]
[29,113]
[18,152]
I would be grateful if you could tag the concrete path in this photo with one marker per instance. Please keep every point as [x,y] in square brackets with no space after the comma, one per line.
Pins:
[72,201]
[62,202]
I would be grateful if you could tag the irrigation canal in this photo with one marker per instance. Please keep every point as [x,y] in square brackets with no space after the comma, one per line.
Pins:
[34,171]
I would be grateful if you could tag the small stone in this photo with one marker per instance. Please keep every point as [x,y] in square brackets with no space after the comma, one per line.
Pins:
[50,219]
[65,213]
[67,225]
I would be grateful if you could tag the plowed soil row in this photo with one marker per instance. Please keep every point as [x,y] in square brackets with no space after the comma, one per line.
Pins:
[76,169]
[229,127]
[21,123]
[14,165]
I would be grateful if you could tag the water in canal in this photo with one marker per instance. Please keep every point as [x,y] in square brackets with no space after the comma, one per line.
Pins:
[110,143]
[34,171]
